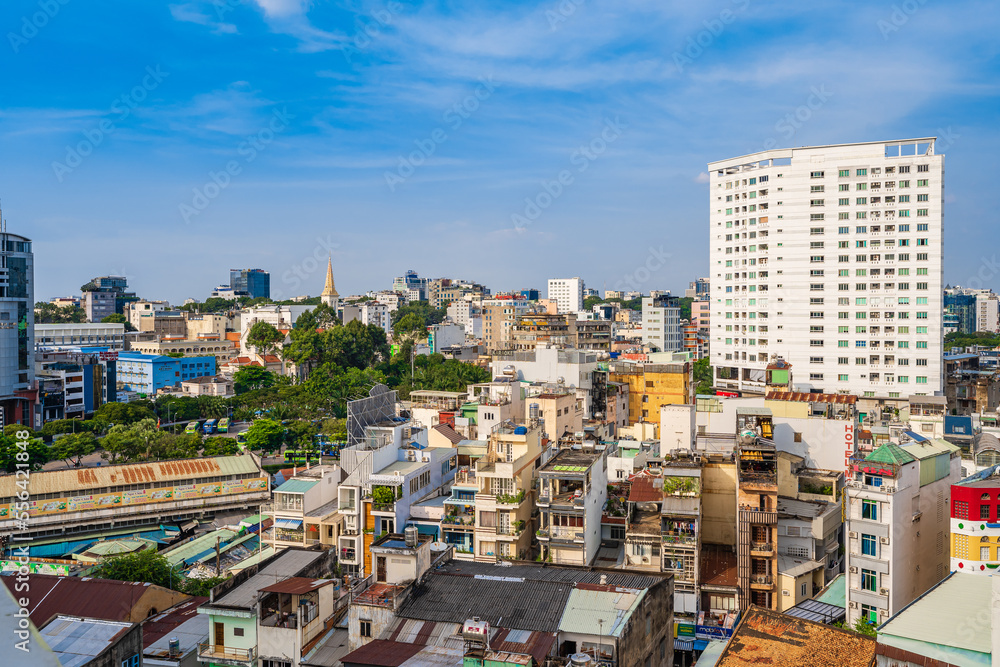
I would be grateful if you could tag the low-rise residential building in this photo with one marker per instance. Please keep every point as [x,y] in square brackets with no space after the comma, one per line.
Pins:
[91,642]
[573,369]
[560,412]
[898,525]
[651,386]
[305,506]
[255,617]
[571,495]
[209,385]
[681,530]
[756,502]
[661,324]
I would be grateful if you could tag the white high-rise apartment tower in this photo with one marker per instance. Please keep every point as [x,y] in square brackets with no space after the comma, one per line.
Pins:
[568,294]
[831,257]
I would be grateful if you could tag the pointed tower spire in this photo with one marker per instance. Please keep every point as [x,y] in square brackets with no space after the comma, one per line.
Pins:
[329,295]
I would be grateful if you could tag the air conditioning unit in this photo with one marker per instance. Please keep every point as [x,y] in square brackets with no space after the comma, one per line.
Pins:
[883,540]
[854,569]
[854,605]
[853,534]
[883,591]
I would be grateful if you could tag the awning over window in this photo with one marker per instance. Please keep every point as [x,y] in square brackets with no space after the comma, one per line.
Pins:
[289,524]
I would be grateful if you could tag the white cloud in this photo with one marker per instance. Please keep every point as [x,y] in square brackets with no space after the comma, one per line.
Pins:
[701,178]
[192,13]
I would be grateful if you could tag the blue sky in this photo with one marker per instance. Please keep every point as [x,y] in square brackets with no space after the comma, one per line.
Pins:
[170,142]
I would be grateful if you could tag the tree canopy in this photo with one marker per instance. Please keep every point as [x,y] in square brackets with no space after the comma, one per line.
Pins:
[118,318]
[50,313]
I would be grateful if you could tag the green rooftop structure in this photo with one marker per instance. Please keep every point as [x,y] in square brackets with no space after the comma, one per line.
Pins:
[890,453]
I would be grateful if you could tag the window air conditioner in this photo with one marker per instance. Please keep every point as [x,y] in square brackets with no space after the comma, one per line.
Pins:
[883,591]
[883,540]
[853,534]
[854,569]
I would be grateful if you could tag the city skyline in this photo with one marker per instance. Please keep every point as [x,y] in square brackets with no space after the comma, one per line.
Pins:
[531,131]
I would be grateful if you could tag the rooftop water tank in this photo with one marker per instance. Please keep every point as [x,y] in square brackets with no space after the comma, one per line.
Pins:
[411,536]
[521,430]
[580,660]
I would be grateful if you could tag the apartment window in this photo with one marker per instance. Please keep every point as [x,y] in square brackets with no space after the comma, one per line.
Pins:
[365,628]
[921,379]
[921,182]
[869,579]
[817,202]
[869,510]
[816,174]
[844,173]
[984,515]
[923,168]
[869,614]
[868,545]
[921,198]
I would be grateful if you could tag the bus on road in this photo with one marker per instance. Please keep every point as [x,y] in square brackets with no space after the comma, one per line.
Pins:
[300,455]
[223,426]
[192,427]
[210,427]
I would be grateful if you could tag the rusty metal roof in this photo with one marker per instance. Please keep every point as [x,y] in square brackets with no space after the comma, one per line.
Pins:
[297,585]
[162,624]
[765,636]
[104,599]
[60,481]
[382,653]
[803,397]
[644,489]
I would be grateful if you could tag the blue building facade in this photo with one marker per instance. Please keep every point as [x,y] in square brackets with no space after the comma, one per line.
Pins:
[964,307]
[254,282]
[145,373]
[531,294]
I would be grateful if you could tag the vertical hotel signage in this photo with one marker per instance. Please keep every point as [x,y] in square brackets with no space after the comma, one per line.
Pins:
[848,446]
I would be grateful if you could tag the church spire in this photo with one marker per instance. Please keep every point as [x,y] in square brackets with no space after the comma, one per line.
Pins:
[329,295]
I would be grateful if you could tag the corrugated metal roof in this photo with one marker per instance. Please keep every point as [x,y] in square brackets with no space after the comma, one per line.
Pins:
[77,641]
[820,612]
[436,656]
[599,612]
[61,481]
[288,564]
[166,622]
[297,585]
[804,397]
[780,640]
[105,599]
[523,597]
[955,605]
[929,448]
[297,486]
[644,489]
[382,653]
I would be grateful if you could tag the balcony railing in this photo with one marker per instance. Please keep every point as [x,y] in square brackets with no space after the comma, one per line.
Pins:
[762,580]
[680,538]
[227,653]
[762,547]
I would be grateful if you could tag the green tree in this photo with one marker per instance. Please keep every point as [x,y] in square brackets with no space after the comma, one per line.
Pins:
[145,566]
[264,337]
[72,447]
[201,587]
[703,376]
[249,378]
[219,446]
[408,324]
[118,318]
[50,313]
[124,413]
[265,435]
[31,450]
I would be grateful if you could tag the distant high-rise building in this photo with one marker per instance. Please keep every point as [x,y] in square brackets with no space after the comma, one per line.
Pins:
[531,294]
[831,257]
[567,293]
[699,289]
[106,295]
[661,323]
[17,330]
[255,283]
[410,282]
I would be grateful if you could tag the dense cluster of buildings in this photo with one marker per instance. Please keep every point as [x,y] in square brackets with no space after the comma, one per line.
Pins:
[589,504]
